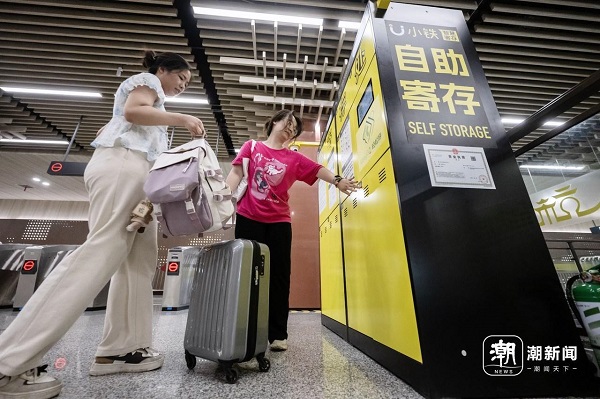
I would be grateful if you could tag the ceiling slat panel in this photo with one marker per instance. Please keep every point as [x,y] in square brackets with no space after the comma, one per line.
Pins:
[532,51]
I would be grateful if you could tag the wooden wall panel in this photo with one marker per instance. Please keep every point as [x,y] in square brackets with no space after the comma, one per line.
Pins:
[305,286]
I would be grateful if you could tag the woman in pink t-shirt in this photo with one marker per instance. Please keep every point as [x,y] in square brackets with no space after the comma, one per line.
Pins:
[263,213]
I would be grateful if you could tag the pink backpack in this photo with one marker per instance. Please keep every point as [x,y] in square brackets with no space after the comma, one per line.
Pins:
[188,190]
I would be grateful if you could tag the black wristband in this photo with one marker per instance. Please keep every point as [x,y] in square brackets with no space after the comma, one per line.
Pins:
[337,179]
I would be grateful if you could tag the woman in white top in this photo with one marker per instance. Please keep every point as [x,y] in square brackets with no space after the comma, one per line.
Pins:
[125,150]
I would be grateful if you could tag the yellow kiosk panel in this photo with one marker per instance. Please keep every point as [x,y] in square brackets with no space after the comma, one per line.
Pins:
[332,274]
[379,292]
[328,193]
[364,56]
[368,124]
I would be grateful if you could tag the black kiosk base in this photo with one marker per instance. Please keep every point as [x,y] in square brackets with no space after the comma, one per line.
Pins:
[437,268]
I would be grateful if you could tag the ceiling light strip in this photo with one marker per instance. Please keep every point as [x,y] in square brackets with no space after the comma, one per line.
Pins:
[278,64]
[50,92]
[258,16]
[289,101]
[517,121]
[186,100]
[553,167]
[349,25]
[252,80]
[32,141]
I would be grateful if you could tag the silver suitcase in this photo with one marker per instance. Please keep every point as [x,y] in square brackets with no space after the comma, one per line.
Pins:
[228,315]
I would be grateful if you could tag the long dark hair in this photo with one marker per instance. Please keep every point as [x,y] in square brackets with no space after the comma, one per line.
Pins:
[283,114]
[168,61]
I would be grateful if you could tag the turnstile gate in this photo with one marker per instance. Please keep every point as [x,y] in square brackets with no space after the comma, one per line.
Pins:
[38,262]
[11,259]
[179,276]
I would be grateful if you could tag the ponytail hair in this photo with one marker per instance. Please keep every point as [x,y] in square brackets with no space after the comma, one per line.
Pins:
[283,114]
[168,61]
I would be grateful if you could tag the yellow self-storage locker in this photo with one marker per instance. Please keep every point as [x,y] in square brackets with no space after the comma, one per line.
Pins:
[333,298]
[379,293]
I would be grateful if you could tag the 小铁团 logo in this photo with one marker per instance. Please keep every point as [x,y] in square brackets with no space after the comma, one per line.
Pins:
[503,355]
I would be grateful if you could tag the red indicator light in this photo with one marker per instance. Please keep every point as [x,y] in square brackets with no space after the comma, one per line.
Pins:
[28,265]
[173,267]
[57,167]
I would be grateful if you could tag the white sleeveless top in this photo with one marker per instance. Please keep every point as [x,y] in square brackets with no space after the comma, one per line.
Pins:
[151,140]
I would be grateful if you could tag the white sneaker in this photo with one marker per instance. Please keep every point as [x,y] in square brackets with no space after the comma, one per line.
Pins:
[279,345]
[32,384]
[143,359]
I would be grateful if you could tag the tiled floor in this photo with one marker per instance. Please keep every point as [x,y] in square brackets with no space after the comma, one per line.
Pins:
[318,364]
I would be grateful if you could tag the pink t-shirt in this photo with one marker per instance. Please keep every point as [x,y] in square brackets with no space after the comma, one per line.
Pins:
[271,173]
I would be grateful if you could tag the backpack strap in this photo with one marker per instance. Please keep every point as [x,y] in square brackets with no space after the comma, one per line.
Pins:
[158,213]
[231,222]
[222,195]
[161,219]
[190,210]
[246,161]
[216,174]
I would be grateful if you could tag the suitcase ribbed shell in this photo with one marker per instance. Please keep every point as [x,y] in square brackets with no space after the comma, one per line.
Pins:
[219,313]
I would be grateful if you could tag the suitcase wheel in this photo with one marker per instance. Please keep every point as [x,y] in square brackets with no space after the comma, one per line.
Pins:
[190,360]
[263,364]
[231,376]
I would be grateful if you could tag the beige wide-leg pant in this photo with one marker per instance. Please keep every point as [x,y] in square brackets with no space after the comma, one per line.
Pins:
[114,179]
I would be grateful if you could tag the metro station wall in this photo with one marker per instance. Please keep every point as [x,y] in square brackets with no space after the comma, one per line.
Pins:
[564,204]
[74,232]
[65,222]
[53,210]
